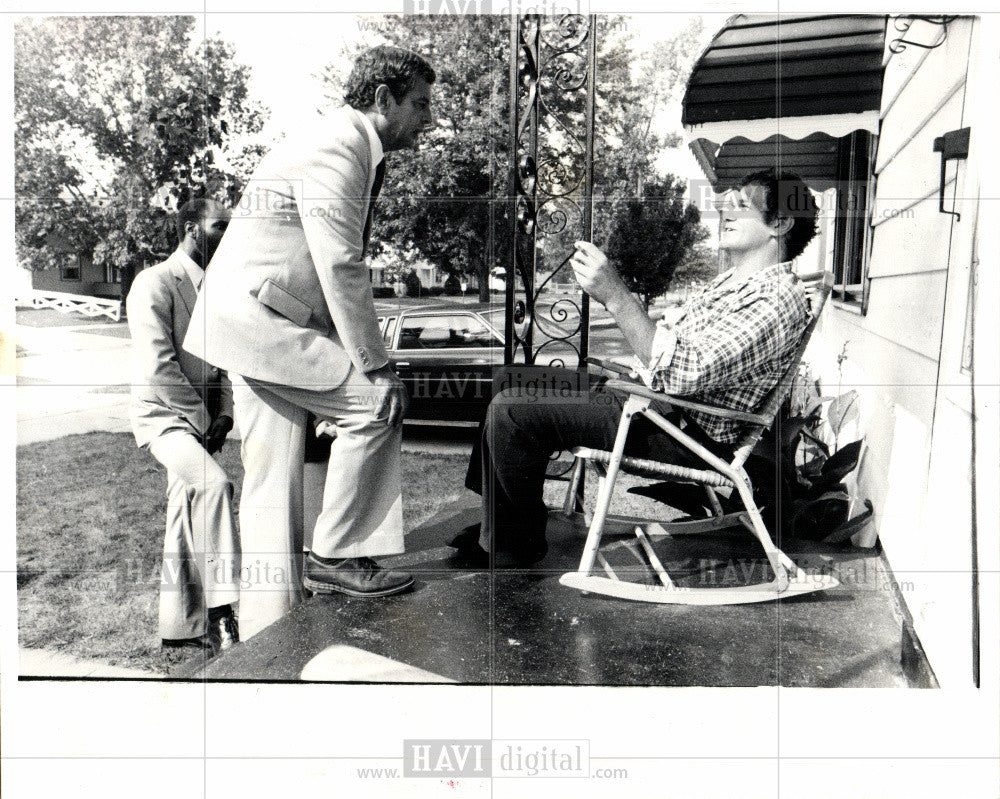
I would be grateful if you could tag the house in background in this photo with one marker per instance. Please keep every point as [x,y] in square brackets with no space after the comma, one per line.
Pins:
[429,275]
[889,119]
[76,273]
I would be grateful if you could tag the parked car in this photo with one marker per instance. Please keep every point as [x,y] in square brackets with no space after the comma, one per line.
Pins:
[446,355]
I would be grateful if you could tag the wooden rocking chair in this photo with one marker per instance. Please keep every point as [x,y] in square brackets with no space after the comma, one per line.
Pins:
[789,580]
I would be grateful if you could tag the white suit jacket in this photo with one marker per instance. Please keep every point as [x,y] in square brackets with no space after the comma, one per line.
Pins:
[171,389]
[288,297]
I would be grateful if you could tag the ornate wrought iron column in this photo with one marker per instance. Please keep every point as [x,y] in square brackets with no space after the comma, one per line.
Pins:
[552,73]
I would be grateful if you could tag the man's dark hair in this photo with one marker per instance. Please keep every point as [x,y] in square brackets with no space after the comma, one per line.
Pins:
[395,67]
[785,194]
[192,211]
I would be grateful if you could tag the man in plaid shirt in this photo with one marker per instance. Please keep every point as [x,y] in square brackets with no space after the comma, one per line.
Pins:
[730,345]
[729,348]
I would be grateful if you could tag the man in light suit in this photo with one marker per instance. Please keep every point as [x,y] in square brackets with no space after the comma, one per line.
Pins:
[181,411]
[290,316]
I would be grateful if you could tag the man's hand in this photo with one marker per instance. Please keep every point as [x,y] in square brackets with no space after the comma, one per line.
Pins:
[395,400]
[595,274]
[216,434]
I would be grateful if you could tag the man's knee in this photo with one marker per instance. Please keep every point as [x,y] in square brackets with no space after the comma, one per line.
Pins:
[502,412]
[209,479]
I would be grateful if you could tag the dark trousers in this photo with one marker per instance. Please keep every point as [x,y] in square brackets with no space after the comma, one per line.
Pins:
[526,423]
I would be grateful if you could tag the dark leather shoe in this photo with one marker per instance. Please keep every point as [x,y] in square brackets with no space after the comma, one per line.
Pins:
[470,556]
[202,642]
[354,577]
[222,633]
[467,539]
[473,556]
[222,627]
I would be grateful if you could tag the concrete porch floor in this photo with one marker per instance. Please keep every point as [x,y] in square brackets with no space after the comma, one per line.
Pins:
[523,627]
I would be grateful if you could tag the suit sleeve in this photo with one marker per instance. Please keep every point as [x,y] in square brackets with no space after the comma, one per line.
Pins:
[333,204]
[225,396]
[150,320]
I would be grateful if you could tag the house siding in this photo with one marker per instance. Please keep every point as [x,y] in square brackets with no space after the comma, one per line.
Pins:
[917,469]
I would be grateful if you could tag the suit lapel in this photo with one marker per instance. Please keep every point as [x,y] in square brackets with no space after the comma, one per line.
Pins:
[184,286]
[376,188]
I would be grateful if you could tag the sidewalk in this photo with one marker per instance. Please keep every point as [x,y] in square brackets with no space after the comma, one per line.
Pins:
[71,379]
[45,663]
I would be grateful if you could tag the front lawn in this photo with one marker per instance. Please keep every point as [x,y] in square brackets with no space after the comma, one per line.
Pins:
[90,517]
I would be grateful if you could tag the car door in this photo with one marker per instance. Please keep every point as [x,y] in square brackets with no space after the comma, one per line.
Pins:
[446,360]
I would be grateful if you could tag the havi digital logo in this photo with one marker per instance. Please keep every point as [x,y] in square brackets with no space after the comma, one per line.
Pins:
[446,758]
[447,6]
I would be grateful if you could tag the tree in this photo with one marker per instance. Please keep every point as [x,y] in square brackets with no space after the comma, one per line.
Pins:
[701,264]
[652,235]
[438,199]
[118,120]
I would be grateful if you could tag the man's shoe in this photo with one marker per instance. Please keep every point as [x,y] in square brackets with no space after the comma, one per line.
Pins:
[353,576]
[201,642]
[467,539]
[470,555]
[222,633]
[222,627]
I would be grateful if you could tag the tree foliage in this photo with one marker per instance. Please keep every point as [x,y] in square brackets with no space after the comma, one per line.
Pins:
[652,234]
[438,199]
[118,120]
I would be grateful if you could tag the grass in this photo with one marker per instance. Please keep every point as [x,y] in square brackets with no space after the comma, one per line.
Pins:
[90,516]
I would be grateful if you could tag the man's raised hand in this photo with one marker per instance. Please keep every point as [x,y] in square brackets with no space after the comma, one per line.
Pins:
[595,274]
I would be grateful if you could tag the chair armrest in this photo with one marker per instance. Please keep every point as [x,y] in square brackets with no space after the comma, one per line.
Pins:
[724,413]
[612,366]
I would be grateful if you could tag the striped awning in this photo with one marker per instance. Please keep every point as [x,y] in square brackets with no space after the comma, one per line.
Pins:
[772,87]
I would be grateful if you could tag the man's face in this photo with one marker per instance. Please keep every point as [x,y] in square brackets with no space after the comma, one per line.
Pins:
[209,234]
[743,225]
[408,118]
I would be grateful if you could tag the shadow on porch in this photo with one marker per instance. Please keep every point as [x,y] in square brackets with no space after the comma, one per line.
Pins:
[523,627]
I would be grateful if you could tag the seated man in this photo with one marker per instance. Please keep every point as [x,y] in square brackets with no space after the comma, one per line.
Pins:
[182,411]
[728,348]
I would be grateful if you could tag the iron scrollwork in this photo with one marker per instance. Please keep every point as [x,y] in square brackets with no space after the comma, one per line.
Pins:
[905,22]
[552,142]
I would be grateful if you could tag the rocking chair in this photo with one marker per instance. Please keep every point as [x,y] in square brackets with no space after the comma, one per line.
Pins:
[789,580]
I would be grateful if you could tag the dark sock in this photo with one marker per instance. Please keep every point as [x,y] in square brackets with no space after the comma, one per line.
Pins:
[214,614]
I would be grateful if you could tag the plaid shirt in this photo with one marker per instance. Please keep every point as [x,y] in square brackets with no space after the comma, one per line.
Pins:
[730,345]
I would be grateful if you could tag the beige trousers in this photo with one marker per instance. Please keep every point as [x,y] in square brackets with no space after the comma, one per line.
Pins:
[201,550]
[362,513]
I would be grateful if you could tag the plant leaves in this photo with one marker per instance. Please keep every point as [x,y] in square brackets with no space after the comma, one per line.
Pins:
[843,461]
[842,410]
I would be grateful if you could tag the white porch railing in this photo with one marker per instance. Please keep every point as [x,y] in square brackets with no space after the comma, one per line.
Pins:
[71,303]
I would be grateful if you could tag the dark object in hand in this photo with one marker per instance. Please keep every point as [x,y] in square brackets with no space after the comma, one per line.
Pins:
[216,434]
[317,447]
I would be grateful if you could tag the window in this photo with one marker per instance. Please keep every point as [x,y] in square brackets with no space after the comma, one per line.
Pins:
[69,267]
[443,332]
[389,332]
[852,233]
[112,274]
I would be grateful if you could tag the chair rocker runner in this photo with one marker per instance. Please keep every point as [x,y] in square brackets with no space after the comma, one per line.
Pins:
[789,580]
